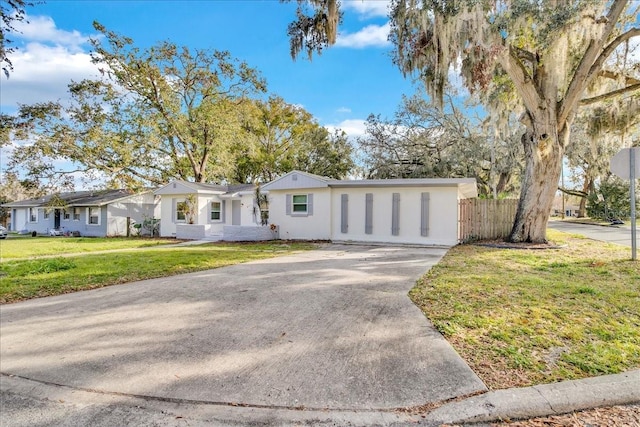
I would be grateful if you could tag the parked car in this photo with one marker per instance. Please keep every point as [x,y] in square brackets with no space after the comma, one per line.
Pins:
[3,232]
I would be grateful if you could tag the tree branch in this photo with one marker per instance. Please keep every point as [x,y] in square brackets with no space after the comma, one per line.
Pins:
[522,80]
[607,74]
[586,70]
[607,51]
[599,98]
[570,192]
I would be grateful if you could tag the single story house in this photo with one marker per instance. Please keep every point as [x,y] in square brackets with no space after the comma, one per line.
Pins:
[404,211]
[191,210]
[95,213]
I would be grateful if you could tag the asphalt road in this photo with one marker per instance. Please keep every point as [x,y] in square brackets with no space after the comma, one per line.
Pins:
[326,329]
[620,235]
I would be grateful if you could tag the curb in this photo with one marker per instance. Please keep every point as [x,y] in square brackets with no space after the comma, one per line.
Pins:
[499,405]
[541,400]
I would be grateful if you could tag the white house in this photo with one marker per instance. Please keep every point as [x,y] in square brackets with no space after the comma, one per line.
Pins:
[87,213]
[219,212]
[407,211]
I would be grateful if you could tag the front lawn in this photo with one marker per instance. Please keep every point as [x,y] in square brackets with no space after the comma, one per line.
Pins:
[29,247]
[524,317]
[31,278]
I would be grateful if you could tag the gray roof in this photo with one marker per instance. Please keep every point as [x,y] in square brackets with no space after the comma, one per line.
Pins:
[74,198]
[201,187]
[235,188]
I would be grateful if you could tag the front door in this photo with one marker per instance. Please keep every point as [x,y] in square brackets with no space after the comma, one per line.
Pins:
[235,212]
[56,219]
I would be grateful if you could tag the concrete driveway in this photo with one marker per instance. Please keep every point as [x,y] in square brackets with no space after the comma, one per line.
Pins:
[330,328]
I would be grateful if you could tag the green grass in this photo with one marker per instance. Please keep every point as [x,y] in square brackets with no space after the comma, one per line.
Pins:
[31,278]
[29,247]
[523,317]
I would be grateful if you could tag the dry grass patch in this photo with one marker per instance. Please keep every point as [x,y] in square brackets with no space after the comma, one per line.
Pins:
[524,317]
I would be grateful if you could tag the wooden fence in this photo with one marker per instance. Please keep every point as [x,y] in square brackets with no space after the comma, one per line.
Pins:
[486,218]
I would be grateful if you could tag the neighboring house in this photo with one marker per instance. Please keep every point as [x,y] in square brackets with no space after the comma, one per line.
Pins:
[407,211]
[191,210]
[89,213]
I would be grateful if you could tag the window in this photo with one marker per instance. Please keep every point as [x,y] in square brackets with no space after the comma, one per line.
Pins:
[66,214]
[33,215]
[216,211]
[46,213]
[299,203]
[93,216]
[181,211]
[76,214]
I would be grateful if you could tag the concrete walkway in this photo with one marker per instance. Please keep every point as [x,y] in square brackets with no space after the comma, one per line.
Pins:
[330,329]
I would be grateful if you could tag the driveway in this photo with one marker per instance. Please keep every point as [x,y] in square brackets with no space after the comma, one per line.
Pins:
[330,328]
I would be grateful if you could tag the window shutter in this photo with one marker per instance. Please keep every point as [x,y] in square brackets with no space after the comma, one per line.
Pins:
[368,214]
[174,204]
[223,211]
[344,213]
[288,202]
[424,214]
[309,204]
[395,214]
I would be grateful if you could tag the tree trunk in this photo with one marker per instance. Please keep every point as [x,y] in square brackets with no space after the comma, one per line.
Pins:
[582,210]
[543,155]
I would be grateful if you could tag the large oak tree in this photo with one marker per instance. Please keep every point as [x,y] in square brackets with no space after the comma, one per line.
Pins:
[282,137]
[544,57]
[156,114]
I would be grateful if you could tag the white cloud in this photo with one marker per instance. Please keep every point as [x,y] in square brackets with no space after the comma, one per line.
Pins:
[368,8]
[352,127]
[41,73]
[43,29]
[43,67]
[371,35]
[343,110]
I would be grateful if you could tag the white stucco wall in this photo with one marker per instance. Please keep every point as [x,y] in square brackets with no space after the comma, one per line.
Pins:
[19,218]
[315,226]
[137,208]
[247,216]
[443,215]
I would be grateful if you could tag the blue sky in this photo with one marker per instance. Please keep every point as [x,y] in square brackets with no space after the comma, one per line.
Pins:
[340,88]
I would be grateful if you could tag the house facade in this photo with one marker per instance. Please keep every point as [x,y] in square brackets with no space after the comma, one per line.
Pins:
[87,213]
[401,211]
[211,212]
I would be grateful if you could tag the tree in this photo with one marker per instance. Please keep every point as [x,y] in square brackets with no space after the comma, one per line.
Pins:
[11,11]
[600,132]
[326,154]
[13,189]
[157,114]
[422,141]
[542,56]
[282,137]
[610,200]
